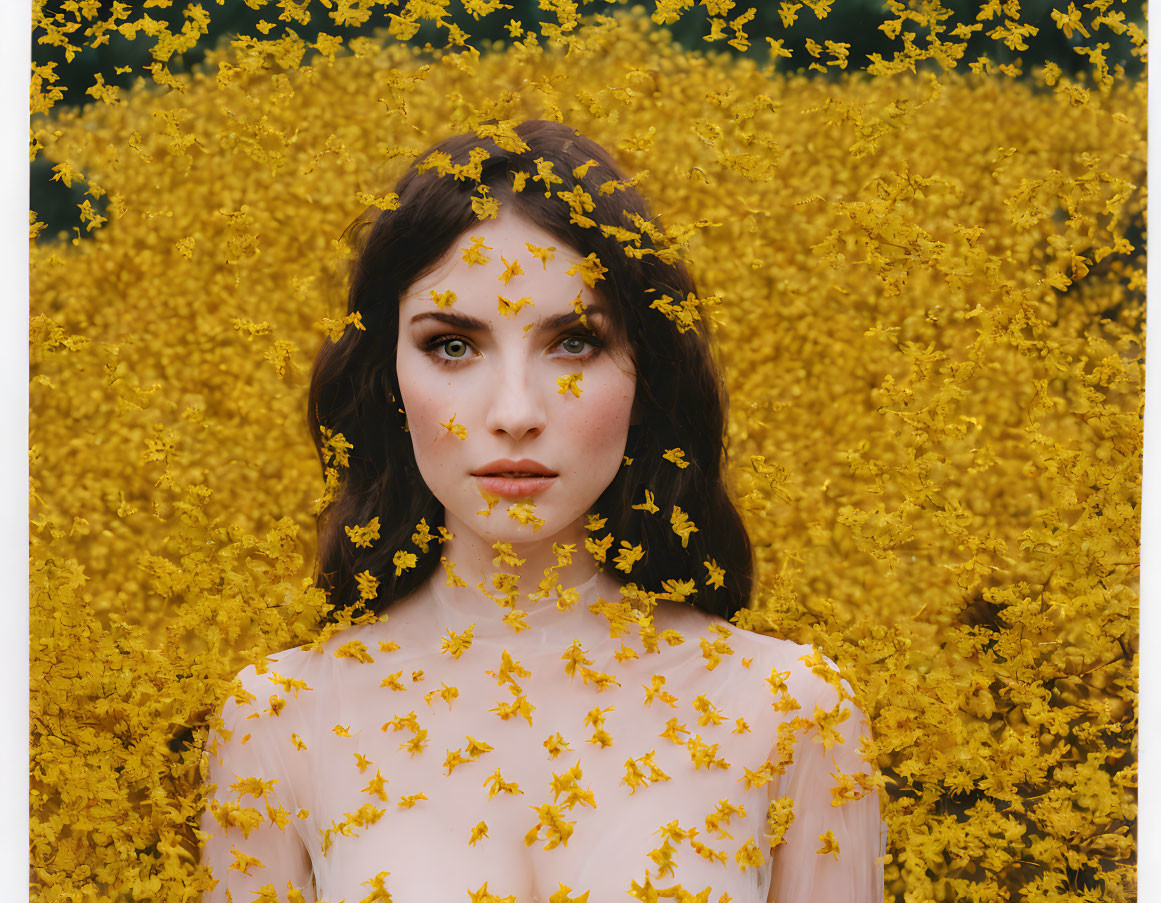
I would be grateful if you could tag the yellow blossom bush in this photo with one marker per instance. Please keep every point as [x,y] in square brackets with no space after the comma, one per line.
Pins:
[926,287]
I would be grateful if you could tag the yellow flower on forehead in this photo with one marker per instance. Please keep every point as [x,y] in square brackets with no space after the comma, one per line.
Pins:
[512,308]
[511,270]
[474,253]
[542,254]
[578,305]
[443,299]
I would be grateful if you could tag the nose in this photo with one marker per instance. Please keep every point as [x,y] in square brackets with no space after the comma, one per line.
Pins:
[516,399]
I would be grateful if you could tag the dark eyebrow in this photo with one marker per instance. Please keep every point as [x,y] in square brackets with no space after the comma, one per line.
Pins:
[463,321]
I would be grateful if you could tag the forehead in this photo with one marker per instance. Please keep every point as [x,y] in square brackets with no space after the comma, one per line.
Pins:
[503,264]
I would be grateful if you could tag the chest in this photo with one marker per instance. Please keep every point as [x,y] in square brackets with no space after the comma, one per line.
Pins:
[609,778]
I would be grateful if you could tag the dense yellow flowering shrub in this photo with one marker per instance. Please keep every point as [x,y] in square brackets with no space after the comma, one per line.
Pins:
[929,308]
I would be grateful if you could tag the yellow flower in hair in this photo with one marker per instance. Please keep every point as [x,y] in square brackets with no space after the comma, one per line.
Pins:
[627,556]
[677,456]
[404,561]
[682,525]
[485,207]
[590,269]
[545,174]
[647,505]
[363,537]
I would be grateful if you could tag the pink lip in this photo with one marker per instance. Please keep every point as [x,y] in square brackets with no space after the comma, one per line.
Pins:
[507,465]
[514,487]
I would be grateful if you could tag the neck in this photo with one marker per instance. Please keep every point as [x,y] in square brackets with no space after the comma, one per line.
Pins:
[529,567]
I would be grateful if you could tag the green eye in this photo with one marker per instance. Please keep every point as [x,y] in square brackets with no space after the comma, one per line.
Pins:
[579,346]
[451,343]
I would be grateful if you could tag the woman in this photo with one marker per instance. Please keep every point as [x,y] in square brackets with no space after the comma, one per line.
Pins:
[552,703]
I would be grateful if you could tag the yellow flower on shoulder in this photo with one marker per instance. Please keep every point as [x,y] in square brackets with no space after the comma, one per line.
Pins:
[456,644]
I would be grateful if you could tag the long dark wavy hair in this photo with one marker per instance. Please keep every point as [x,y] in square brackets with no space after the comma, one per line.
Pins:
[680,399]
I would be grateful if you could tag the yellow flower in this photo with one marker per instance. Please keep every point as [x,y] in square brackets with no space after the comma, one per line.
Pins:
[829,845]
[459,430]
[647,505]
[363,537]
[542,254]
[403,561]
[676,456]
[512,308]
[569,383]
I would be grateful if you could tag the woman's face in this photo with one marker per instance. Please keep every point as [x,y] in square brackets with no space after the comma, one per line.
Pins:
[500,359]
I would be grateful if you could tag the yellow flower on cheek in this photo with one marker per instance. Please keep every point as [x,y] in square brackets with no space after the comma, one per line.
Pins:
[457,429]
[569,383]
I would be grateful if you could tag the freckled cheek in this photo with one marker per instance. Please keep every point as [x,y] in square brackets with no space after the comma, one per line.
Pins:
[605,420]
